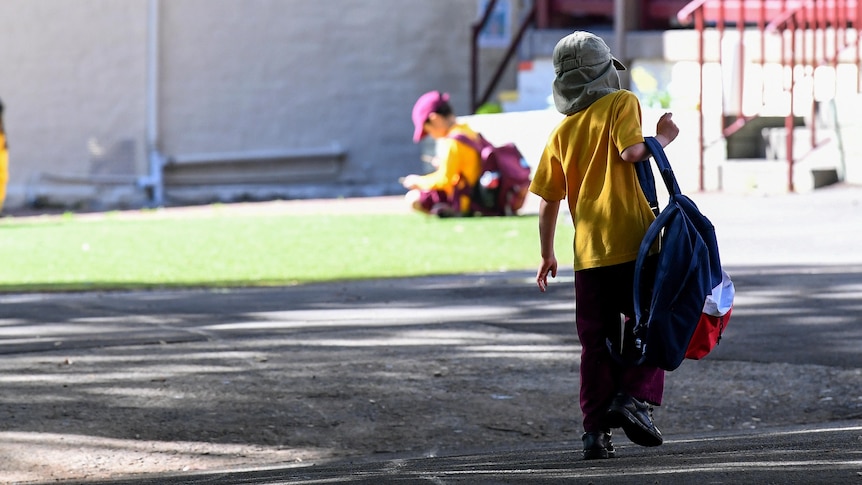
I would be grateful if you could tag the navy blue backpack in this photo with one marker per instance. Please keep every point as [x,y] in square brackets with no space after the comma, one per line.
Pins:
[668,303]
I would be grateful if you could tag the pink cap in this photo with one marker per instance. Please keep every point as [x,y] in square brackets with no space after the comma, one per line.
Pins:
[425,105]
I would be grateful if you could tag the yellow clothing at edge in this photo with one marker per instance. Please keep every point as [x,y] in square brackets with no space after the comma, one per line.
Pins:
[456,160]
[582,162]
[4,168]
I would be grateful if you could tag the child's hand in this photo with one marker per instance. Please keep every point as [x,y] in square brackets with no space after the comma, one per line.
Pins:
[409,182]
[548,267]
[433,161]
[667,128]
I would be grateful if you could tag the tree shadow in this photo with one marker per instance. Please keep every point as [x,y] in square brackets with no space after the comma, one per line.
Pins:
[372,366]
[796,315]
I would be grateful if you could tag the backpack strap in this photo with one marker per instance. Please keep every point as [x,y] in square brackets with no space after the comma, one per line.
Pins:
[654,231]
[475,144]
[653,234]
[663,165]
[647,183]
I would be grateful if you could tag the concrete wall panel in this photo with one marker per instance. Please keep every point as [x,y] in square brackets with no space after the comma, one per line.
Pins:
[269,74]
[72,80]
[233,77]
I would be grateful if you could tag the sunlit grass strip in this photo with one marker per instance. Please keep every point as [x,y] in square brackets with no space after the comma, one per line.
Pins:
[265,250]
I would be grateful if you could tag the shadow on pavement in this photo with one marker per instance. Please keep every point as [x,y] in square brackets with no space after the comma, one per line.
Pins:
[281,367]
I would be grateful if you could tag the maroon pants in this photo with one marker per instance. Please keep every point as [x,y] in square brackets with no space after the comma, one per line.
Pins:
[429,198]
[603,300]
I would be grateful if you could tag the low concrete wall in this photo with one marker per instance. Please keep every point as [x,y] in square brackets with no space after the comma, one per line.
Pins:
[529,130]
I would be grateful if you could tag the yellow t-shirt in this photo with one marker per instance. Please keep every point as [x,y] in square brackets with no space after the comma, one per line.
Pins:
[581,162]
[456,160]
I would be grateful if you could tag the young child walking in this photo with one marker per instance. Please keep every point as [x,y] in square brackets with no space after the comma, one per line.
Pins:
[589,161]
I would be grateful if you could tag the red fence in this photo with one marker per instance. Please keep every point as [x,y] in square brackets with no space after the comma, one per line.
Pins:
[804,28]
[798,23]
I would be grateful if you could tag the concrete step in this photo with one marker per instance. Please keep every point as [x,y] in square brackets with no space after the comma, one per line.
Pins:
[762,176]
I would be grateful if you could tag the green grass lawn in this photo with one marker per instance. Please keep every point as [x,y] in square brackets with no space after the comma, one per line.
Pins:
[72,253]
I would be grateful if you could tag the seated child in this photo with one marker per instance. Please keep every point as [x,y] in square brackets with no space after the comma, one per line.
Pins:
[445,191]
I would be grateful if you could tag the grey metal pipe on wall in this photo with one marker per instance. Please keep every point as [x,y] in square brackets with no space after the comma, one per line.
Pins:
[153,181]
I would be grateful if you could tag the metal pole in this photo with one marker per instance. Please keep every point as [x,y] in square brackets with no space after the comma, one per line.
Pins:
[155,180]
[620,36]
[699,25]
[819,30]
[790,121]
[721,25]
[761,26]
[740,57]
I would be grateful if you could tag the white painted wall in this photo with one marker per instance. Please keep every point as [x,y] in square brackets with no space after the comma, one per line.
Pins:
[241,76]
[72,81]
[234,76]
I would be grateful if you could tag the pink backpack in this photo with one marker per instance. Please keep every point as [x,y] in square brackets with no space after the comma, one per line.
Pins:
[504,179]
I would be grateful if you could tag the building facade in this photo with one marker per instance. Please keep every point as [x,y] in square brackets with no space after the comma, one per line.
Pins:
[134,103]
[119,104]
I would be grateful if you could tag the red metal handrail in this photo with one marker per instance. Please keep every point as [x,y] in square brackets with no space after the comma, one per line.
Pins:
[684,16]
[475,99]
[791,17]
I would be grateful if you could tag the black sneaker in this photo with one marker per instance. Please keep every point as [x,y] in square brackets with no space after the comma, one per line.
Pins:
[635,418]
[598,445]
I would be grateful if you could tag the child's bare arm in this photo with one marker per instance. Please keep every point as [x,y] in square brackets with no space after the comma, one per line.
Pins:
[548,212]
[666,132]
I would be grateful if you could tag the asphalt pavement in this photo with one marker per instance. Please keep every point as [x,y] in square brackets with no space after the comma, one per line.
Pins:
[823,454]
[796,262]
